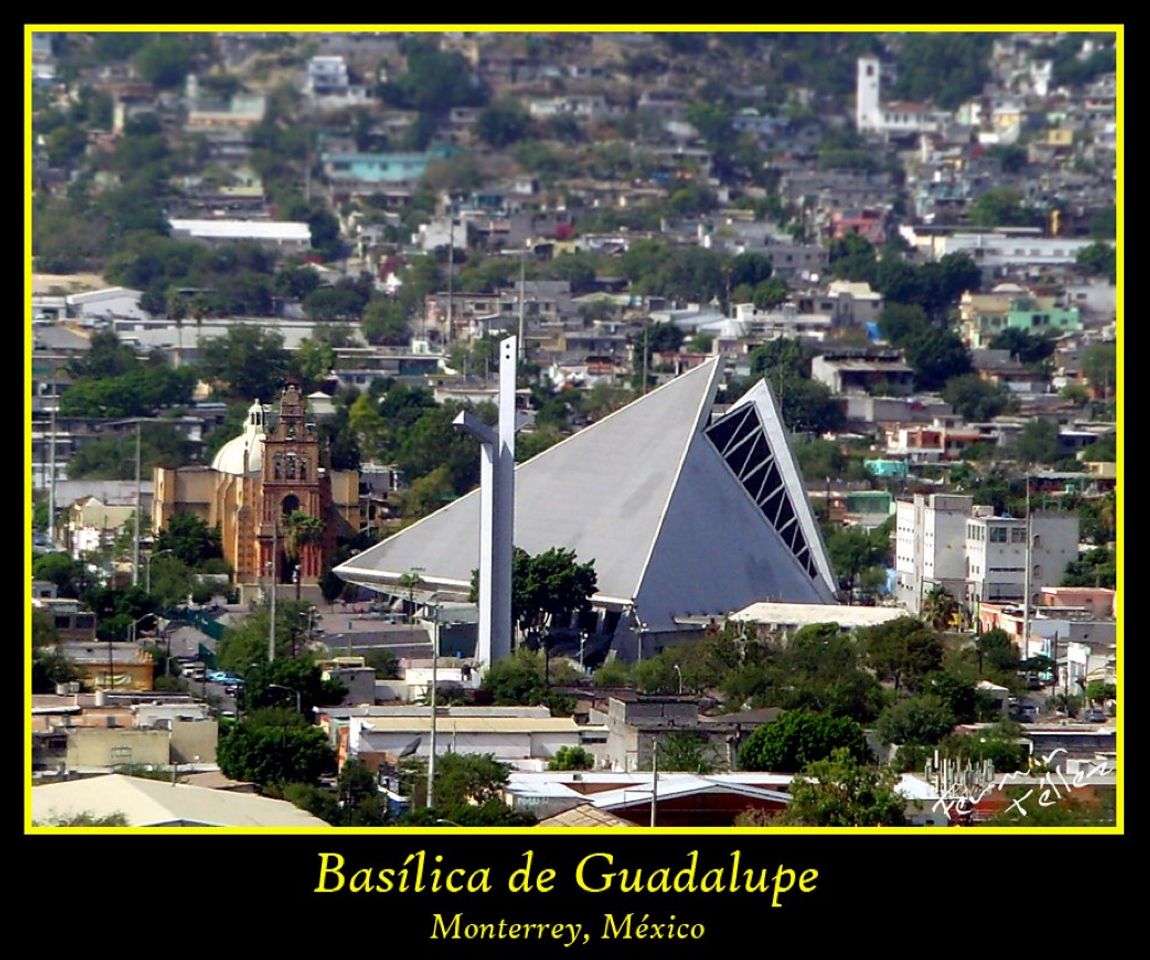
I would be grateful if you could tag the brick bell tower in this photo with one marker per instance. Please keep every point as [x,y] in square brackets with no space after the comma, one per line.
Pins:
[293,479]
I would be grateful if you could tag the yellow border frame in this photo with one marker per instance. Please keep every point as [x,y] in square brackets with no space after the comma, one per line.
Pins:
[1119,32]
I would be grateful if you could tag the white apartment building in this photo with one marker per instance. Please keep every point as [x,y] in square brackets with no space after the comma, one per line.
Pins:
[945,540]
[996,554]
[929,546]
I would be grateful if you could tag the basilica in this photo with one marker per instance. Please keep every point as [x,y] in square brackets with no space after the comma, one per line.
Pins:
[259,488]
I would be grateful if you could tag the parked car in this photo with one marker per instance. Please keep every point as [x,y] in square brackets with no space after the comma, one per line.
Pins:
[1094,715]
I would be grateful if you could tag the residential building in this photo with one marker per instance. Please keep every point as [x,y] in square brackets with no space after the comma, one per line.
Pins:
[945,540]
[996,554]
[1000,251]
[71,621]
[522,738]
[283,236]
[863,371]
[93,525]
[929,546]
[106,665]
[893,118]
[678,800]
[985,316]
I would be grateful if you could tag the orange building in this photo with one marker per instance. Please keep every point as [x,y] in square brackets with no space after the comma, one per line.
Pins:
[277,467]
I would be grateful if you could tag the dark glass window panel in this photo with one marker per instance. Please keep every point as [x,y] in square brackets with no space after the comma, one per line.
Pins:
[748,455]
[721,432]
[786,514]
[770,506]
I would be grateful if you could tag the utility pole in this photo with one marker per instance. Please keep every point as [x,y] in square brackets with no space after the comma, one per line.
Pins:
[136,523]
[450,270]
[654,776]
[646,327]
[1026,578]
[434,686]
[522,295]
[52,478]
[272,604]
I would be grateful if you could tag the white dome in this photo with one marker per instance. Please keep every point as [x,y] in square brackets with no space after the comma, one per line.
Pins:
[246,449]
[245,453]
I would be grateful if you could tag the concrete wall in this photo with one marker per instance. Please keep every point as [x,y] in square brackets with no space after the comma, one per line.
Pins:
[94,747]
[194,741]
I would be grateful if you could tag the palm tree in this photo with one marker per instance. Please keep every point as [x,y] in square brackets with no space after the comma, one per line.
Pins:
[300,529]
[411,581]
[941,610]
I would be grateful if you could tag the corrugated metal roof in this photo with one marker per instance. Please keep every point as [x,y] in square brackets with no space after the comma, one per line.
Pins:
[470,724]
[244,229]
[146,803]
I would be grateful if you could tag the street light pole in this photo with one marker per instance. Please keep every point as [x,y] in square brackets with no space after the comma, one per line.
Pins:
[654,776]
[136,523]
[434,687]
[272,628]
[1026,576]
[298,698]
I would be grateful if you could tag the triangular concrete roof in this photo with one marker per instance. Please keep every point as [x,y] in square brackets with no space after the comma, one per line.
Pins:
[644,493]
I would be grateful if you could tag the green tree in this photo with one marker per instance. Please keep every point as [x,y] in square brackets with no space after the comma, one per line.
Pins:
[976,399]
[613,673]
[301,529]
[1100,367]
[947,68]
[274,747]
[517,679]
[1027,348]
[502,123]
[902,650]
[334,303]
[85,819]
[1096,569]
[384,662]
[853,258]
[571,758]
[189,539]
[940,609]
[841,792]
[59,568]
[1002,207]
[247,363]
[852,550]
[798,738]
[685,750]
[468,792]
[166,60]
[549,588]
[360,802]
[1099,259]
[937,356]
[434,82]
[997,651]
[901,323]
[273,684]
[49,665]
[923,720]
[1037,442]
[247,643]
[385,322]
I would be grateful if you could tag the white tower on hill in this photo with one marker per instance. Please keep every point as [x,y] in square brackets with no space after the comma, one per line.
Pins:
[867,111]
